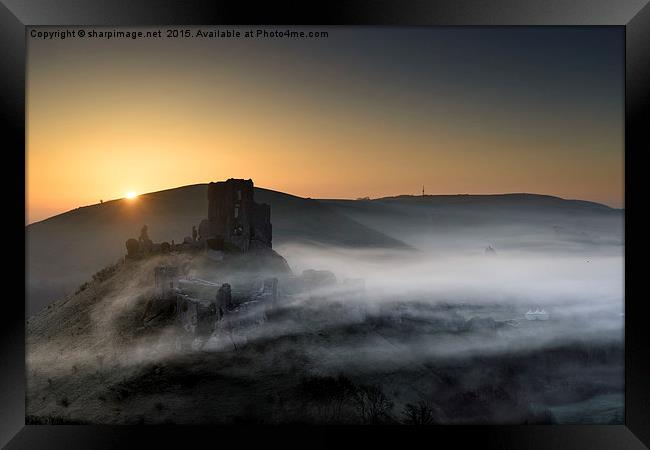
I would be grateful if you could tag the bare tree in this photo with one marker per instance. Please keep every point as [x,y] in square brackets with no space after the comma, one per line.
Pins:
[420,414]
[328,395]
[372,404]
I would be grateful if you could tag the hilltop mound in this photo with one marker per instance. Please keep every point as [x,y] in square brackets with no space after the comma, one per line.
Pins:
[96,357]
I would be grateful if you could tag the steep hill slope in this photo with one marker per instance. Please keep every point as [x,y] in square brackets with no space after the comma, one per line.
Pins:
[91,358]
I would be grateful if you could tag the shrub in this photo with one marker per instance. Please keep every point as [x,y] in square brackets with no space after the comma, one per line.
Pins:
[82,288]
[105,273]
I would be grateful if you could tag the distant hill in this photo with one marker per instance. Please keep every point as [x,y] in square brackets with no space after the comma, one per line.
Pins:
[486,207]
[520,219]
[65,250]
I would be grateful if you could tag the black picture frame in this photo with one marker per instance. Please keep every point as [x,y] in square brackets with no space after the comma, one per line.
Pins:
[633,15]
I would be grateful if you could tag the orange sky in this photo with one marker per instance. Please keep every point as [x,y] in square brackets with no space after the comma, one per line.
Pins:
[106,118]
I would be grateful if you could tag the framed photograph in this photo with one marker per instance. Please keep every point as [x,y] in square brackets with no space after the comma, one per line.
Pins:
[310,224]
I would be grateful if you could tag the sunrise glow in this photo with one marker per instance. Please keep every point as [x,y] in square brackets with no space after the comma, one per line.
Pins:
[331,118]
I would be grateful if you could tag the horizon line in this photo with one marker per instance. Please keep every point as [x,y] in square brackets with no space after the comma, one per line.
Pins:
[327,199]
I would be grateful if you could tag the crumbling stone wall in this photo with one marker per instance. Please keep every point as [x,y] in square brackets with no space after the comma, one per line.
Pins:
[187,313]
[165,280]
[268,292]
[262,232]
[223,300]
[199,316]
[132,248]
[235,218]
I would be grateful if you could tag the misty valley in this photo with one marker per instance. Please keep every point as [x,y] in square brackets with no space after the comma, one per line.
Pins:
[276,309]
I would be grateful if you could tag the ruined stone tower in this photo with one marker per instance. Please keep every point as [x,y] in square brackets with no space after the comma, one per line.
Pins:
[234,218]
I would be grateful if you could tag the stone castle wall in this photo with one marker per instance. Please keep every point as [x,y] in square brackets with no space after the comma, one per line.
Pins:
[234,217]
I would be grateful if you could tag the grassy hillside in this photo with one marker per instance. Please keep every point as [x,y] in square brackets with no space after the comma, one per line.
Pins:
[91,358]
[65,250]
[509,219]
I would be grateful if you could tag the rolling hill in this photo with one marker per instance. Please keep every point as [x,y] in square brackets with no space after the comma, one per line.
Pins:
[514,220]
[65,250]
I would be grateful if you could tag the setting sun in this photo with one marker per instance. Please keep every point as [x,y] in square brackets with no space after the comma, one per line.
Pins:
[131,195]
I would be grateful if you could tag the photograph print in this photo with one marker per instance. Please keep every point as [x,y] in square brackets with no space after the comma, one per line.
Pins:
[325,225]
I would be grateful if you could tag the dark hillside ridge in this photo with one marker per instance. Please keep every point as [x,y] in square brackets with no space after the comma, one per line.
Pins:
[65,250]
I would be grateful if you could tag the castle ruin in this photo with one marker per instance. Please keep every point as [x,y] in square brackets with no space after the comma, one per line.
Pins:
[235,223]
[234,219]
[202,308]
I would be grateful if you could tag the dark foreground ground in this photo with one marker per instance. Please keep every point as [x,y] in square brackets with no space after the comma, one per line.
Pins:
[445,364]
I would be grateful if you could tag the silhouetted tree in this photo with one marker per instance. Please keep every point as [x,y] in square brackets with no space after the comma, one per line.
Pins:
[328,394]
[372,404]
[420,414]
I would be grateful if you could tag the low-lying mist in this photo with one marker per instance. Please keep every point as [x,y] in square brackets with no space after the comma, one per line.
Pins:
[582,292]
[527,278]
[434,313]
